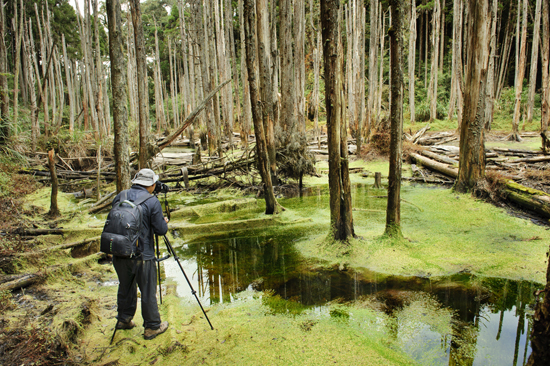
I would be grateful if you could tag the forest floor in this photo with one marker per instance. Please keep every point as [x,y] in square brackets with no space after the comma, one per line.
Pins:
[67,316]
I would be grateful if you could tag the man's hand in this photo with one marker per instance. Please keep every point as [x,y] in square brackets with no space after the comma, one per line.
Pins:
[166,219]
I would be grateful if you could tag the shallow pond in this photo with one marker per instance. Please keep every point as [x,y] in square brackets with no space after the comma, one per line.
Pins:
[457,320]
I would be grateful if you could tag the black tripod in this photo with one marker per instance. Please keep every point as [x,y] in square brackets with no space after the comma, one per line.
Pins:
[172,253]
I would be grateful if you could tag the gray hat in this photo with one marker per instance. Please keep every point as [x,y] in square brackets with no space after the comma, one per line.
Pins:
[145,177]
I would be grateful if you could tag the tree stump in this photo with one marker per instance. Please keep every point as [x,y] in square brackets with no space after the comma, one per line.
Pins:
[54,210]
[377,180]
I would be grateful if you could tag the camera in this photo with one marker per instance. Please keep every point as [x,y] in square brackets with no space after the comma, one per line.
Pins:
[161,188]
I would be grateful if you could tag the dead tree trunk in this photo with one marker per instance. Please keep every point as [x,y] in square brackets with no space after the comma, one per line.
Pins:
[545,109]
[393,212]
[340,214]
[412,61]
[118,86]
[143,94]
[514,136]
[472,145]
[266,65]
[4,95]
[432,88]
[54,210]
[534,63]
[256,102]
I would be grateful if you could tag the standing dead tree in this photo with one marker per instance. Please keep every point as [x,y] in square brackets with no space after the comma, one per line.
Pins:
[256,103]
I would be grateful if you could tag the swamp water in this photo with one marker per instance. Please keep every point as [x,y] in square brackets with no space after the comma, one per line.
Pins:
[460,320]
[456,320]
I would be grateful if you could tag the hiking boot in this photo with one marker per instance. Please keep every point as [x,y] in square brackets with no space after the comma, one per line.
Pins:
[128,325]
[152,333]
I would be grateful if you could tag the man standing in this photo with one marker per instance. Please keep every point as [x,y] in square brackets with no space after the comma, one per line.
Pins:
[141,270]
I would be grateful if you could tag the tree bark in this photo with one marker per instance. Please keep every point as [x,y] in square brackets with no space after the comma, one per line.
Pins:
[118,86]
[412,61]
[534,63]
[54,210]
[256,103]
[266,66]
[514,136]
[4,95]
[472,132]
[545,108]
[393,213]
[540,334]
[143,94]
[489,107]
[432,88]
[340,214]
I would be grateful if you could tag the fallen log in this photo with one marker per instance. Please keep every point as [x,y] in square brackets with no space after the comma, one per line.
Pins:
[236,225]
[525,197]
[440,158]
[190,118]
[440,167]
[28,279]
[216,207]
[537,159]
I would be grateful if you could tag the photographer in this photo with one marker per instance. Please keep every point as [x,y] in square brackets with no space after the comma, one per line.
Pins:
[141,270]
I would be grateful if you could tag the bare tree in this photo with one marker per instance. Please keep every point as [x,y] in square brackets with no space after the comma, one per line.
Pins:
[393,212]
[412,60]
[534,62]
[340,197]
[250,24]
[118,85]
[545,109]
[514,136]
[4,95]
[143,94]
[432,88]
[472,132]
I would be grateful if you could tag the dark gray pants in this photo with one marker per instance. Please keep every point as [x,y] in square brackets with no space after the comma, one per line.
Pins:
[143,273]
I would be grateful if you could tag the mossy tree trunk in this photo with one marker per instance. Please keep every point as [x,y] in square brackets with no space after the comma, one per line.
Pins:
[118,86]
[340,203]
[472,131]
[393,212]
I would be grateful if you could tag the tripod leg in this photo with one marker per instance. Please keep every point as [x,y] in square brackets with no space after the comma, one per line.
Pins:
[158,268]
[172,252]
[113,337]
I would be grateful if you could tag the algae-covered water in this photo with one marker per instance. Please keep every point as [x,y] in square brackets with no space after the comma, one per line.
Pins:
[477,321]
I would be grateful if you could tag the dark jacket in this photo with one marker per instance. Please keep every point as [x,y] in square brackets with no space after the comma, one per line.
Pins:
[152,219]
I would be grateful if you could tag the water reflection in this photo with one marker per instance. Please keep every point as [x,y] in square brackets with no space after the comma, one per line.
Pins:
[477,321]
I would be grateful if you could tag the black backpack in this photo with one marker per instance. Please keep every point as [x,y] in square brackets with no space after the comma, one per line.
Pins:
[121,231]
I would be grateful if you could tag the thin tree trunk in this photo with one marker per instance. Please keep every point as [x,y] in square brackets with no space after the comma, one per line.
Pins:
[514,136]
[70,89]
[534,63]
[255,100]
[412,62]
[143,94]
[545,108]
[246,119]
[266,87]
[432,88]
[299,22]
[30,77]
[4,95]
[118,86]
[341,223]
[490,103]
[18,32]
[472,146]
[54,210]
[159,99]
[288,81]
[393,212]
[373,69]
